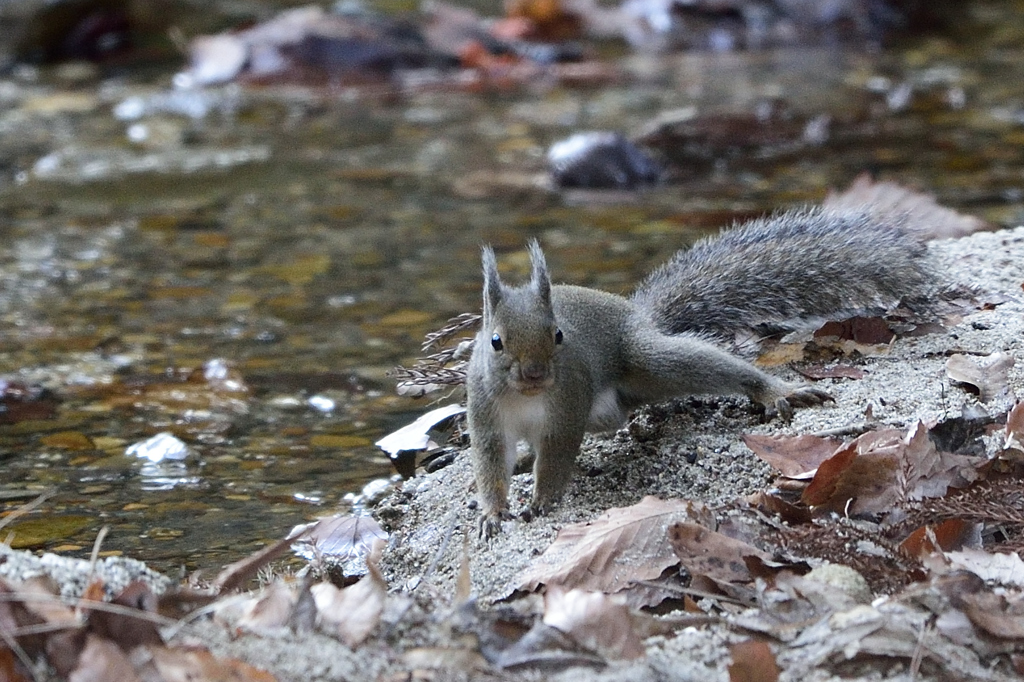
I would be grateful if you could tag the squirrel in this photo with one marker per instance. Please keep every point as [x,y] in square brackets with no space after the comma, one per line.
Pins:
[551,362]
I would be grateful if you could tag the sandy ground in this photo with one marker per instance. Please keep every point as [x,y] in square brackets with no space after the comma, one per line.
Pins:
[690,449]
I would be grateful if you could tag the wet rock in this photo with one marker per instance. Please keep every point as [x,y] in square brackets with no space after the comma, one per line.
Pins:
[601,160]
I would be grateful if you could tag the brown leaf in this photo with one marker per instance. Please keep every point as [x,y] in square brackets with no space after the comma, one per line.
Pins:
[622,546]
[752,661]
[103,661]
[772,504]
[596,620]
[884,468]
[825,485]
[126,630]
[10,670]
[233,575]
[199,665]
[1015,428]
[989,374]
[794,456]
[865,331]
[707,552]
[918,212]
[269,612]
[998,615]
[948,536]
[340,538]
[354,611]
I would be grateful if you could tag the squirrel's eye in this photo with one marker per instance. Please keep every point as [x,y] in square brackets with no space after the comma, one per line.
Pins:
[558,337]
[496,343]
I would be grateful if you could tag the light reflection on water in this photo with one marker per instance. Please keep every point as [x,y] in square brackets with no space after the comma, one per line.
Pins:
[166,475]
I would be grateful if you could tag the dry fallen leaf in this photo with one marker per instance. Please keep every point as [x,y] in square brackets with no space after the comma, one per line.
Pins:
[882,469]
[988,374]
[1005,569]
[103,661]
[199,665]
[416,436]
[706,552]
[1000,615]
[598,621]
[269,612]
[794,456]
[340,540]
[622,546]
[1015,429]
[355,611]
[752,661]
[948,536]
[888,200]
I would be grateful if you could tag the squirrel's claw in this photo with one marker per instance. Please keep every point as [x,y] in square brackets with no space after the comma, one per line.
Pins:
[490,524]
[807,396]
[799,396]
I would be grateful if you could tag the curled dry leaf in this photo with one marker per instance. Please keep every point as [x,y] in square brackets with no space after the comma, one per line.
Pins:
[622,546]
[341,540]
[884,468]
[596,620]
[988,374]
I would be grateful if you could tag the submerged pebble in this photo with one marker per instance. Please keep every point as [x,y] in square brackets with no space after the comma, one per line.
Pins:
[158,448]
[601,160]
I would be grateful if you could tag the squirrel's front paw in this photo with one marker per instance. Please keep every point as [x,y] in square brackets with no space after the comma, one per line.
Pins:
[490,524]
[797,396]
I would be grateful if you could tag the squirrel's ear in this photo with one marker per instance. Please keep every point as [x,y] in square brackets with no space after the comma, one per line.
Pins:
[540,280]
[492,282]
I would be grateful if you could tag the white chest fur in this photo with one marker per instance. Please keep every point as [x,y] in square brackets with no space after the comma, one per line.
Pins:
[522,418]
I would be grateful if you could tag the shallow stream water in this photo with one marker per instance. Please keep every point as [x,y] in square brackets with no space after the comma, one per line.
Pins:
[298,242]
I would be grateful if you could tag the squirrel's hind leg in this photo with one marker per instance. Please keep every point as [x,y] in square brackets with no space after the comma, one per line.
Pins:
[663,366]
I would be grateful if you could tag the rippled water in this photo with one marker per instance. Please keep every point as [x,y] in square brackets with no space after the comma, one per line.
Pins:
[308,238]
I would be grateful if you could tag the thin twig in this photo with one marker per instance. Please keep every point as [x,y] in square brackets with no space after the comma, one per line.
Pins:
[27,507]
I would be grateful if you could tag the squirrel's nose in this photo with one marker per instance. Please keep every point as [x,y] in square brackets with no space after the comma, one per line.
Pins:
[534,371]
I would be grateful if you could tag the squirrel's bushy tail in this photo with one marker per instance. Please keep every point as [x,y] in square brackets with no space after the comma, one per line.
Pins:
[786,270]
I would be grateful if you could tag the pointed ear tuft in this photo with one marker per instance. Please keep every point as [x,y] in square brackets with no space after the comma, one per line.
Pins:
[492,283]
[540,281]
